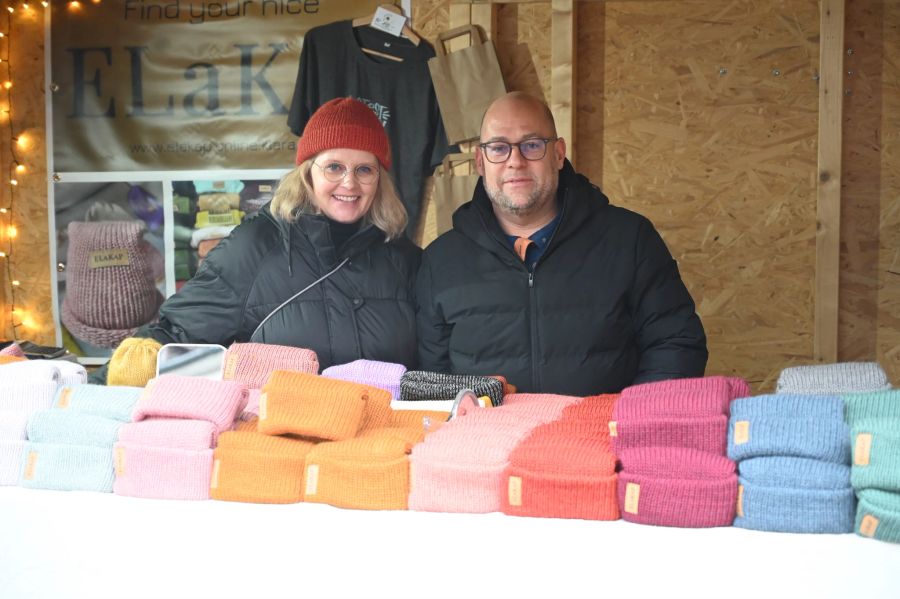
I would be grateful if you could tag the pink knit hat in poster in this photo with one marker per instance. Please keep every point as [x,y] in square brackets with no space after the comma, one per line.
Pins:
[110,288]
[673,486]
[252,363]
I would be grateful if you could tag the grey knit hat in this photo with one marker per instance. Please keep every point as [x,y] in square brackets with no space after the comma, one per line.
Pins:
[844,377]
[416,385]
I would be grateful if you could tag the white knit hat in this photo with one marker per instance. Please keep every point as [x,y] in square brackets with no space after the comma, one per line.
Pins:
[843,377]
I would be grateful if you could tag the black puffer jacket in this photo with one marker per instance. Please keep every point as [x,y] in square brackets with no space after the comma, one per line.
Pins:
[605,307]
[364,310]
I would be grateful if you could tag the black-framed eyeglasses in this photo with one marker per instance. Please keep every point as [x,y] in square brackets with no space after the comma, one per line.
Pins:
[336,172]
[534,148]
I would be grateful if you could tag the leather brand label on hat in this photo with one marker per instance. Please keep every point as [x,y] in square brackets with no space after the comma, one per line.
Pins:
[263,400]
[65,396]
[515,490]
[868,526]
[104,258]
[861,453]
[740,501]
[119,460]
[612,429]
[265,188]
[230,367]
[226,218]
[218,185]
[30,465]
[214,480]
[632,497]
[741,432]
[312,479]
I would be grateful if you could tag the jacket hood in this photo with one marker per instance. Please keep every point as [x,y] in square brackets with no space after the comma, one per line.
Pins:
[579,200]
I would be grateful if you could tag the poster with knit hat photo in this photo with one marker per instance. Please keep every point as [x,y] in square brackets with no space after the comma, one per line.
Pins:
[110,265]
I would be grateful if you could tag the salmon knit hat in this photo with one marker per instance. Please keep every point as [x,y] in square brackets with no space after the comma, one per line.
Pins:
[673,486]
[314,406]
[418,385]
[193,398]
[844,377]
[252,363]
[369,472]
[110,288]
[596,408]
[810,426]
[134,362]
[344,123]
[560,472]
[384,375]
[256,468]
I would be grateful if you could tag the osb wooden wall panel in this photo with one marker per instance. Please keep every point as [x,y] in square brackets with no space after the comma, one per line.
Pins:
[869,323]
[31,257]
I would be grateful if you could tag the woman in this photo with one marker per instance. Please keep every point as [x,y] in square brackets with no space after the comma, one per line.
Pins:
[324,266]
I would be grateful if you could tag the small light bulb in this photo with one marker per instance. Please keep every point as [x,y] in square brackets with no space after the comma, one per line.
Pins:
[10,9]
[3,210]
[20,168]
[44,3]
[7,84]
[15,283]
[2,254]
[21,141]
[11,231]
[13,182]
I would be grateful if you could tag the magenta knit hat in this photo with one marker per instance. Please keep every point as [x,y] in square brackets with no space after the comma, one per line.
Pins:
[708,433]
[192,398]
[344,123]
[672,486]
[252,363]
[725,387]
[110,289]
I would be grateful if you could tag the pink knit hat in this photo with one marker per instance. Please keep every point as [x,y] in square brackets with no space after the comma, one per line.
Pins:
[252,363]
[732,387]
[671,486]
[170,432]
[708,433]
[161,472]
[193,398]
[562,470]
[110,288]
[12,349]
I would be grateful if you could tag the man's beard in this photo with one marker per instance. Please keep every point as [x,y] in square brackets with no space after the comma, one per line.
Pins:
[535,200]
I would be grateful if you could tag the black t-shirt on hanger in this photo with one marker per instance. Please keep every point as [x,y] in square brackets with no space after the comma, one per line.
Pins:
[332,65]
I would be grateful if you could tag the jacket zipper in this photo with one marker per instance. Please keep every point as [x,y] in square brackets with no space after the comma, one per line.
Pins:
[535,348]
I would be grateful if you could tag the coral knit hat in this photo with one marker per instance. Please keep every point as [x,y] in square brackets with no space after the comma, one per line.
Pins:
[344,123]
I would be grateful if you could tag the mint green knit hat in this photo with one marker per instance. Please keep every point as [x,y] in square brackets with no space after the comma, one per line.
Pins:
[875,444]
[878,404]
[878,515]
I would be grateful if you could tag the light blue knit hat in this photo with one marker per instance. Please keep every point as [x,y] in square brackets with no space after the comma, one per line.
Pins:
[876,454]
[843,377]
[810,426]
[878,515]
[787,494]
[67,467]
[881,404]
[110,402]
[72,428]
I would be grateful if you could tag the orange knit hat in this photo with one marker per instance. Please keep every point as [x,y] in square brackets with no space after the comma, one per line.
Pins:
[344,123]
[370,472]
[11,359]
[258,468]
[315,406]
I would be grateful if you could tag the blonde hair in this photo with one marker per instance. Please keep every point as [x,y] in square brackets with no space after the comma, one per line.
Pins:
[294,196]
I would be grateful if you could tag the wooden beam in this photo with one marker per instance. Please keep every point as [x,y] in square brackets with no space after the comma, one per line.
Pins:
[828,187]
[562,71]
[485,16]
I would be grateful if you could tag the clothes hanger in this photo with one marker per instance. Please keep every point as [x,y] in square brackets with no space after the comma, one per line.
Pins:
[406,32]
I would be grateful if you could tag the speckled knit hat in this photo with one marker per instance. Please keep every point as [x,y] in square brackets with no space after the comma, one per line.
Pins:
[110,288]
[423,385]
[843,377]
[252,363]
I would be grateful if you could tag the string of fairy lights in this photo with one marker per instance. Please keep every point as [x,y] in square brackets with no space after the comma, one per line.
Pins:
[18,145]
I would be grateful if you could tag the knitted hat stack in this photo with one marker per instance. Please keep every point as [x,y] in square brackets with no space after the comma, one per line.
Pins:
[793,459]
[460,467]
[566,468]
[23,391]
[670,437]
[69,373]
[831,379]
[421,385]
[252,363]
[167,451]
[134,362]
[874,420]
[384,375]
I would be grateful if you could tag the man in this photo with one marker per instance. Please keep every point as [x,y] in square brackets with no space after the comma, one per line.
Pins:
[542,281]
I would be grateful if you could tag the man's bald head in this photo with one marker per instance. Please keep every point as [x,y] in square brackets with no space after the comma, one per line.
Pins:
[519,100]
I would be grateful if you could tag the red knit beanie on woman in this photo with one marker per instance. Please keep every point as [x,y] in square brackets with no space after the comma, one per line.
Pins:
[344,123]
